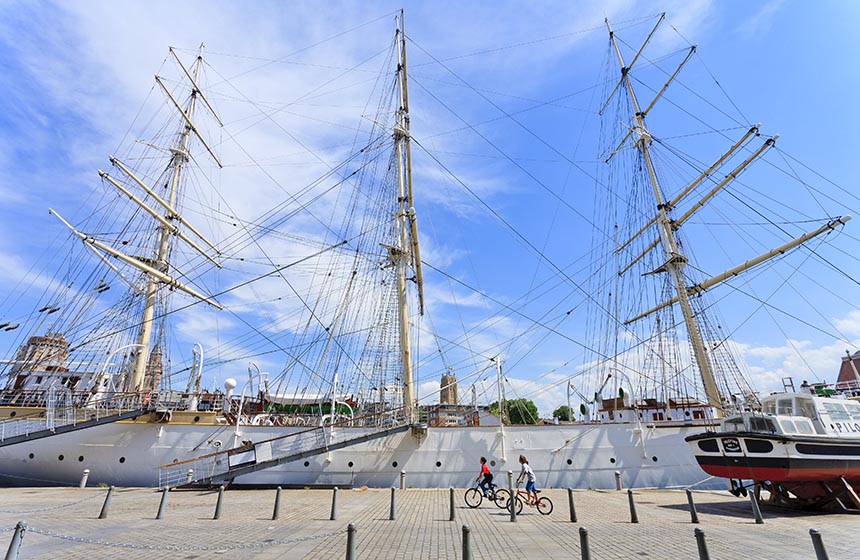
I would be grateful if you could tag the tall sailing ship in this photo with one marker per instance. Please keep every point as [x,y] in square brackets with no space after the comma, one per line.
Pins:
[91,383]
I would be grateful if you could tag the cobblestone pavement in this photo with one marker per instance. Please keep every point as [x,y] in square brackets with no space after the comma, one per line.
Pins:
[63,522]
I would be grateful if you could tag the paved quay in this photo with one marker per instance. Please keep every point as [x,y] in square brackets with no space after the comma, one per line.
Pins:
[64,523]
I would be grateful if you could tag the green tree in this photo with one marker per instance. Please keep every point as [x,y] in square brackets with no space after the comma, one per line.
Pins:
[563,413]
[517,411]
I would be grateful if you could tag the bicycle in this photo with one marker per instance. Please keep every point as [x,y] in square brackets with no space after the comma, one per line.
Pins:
[475,496]
[543,504]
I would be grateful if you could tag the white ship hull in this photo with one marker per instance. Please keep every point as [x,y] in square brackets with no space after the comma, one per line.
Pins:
[575,456]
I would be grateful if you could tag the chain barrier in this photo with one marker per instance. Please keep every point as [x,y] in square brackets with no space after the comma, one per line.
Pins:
[51,508]
[178,548]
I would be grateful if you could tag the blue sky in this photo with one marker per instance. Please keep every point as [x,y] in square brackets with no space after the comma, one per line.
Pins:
[75,75]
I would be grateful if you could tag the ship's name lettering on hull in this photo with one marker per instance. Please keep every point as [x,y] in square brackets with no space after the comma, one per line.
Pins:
[847,427]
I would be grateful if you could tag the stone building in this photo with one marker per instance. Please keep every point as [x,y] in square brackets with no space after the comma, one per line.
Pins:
[448,389]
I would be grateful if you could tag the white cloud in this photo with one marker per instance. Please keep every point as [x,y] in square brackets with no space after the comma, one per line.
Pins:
[849,325]
[761,20]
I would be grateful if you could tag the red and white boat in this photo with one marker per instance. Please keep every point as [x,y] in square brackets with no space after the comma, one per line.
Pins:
[802,447]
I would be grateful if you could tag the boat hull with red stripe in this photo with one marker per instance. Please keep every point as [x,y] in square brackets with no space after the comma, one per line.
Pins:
[777,458]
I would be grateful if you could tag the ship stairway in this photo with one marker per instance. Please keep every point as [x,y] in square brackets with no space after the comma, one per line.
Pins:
[56,421]
[250,457]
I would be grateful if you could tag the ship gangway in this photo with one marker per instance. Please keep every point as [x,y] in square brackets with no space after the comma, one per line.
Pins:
[223,466]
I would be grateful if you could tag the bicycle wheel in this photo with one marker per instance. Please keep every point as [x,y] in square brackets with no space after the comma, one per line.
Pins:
[473,497]
[519,505]
[502,497]
[544,505]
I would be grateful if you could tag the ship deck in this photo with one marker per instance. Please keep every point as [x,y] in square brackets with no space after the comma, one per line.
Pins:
[63,522]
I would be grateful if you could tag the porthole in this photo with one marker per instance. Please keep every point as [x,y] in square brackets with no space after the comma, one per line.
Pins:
[492,463]
[570,461]
[394,464]
[686,413]
[12,414]
[122,459]
[438,463]
[612,460]
[197,419]
[61,457]
[349,464]
[31,455]
[307,463]
[654,458]
[81,459]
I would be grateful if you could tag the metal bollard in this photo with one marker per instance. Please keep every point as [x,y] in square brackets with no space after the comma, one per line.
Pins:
[218,503]
[276,511]
[701,544]
[106,504]
[403,480]
[189,476]
[17,539]
[756,510]
[694,517]
[84,478]
[163,503]
[513,498]
[571,506]
[350,542]
[333,504]
[583,544]
[633,517]
[817,544]
[467,543]
[391,513]
[451,503]
[618,480]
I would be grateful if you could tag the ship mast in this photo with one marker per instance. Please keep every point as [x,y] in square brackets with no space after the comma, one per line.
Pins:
[180,157]
[156,270]
[167,227]
[674,261]
[406,252]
